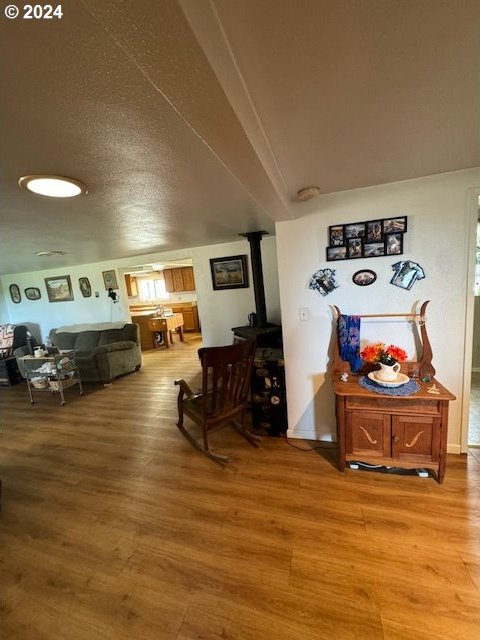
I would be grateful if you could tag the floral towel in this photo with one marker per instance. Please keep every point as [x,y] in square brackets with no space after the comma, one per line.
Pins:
[6,339]
[349,341]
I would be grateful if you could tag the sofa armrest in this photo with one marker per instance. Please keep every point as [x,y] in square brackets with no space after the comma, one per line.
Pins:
[122,345]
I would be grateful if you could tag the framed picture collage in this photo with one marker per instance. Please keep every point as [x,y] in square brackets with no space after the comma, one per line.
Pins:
[370,239]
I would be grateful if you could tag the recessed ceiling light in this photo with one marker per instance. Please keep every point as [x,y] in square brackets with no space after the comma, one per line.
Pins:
[42,254]
[52,186]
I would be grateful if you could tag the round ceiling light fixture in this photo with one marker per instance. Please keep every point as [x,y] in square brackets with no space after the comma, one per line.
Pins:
[308,192]
[53,186]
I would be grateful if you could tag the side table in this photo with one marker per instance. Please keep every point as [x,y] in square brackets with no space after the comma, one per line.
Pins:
[53,373]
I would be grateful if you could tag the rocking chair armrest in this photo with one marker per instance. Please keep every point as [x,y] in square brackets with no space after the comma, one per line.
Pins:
[185,388]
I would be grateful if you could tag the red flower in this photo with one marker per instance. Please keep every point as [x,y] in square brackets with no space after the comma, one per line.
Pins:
[380,353]
[372,352]
[396,352]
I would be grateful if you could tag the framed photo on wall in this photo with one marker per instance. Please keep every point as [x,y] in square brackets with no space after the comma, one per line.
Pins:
[110,279]
[336,235]
[229,273]
[395,225]
[59,289]
[394,244]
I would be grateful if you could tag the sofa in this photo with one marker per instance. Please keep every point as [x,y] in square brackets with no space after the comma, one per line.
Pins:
[101,354]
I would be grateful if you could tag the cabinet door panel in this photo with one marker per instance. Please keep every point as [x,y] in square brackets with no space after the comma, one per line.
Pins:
[188,279]
[177,280]
[188,320]
[131,284]
[416,437]
[168,277]
[368,433]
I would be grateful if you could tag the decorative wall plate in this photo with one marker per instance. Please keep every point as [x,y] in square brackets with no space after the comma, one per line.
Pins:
[15,294]
[364,277]
[85,287]
[33,293]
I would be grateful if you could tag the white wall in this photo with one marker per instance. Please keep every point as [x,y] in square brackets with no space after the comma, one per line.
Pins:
[4,315]
[219,310]
[437,210]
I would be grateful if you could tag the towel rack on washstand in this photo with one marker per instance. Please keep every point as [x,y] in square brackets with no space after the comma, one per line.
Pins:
[340,366]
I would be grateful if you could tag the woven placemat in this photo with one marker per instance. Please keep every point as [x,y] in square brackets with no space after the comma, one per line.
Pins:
[406,389]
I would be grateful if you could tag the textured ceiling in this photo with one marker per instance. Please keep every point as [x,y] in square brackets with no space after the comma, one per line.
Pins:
[192,121]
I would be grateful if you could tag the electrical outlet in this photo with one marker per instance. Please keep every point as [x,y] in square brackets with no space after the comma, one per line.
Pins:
[304,314]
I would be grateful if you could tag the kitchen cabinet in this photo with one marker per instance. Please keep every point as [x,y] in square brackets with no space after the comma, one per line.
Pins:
[190,315]
[179,279]
[142,319]
[131,284]
[188,279]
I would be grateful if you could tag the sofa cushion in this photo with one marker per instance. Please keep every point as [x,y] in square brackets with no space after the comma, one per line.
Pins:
[113,335]
[87,340]
[122,345]
[63,341]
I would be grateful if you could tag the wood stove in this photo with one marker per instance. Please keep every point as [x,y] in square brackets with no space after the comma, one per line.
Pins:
[267,334]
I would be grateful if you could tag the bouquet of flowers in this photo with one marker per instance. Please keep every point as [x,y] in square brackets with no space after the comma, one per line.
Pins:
[380,353]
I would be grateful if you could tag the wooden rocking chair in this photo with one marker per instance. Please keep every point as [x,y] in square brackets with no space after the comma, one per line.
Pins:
[226,375]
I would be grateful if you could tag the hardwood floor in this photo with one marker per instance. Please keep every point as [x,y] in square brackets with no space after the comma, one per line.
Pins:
[114,527]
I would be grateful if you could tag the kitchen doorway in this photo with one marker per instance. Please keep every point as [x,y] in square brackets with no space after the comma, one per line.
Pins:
[163,292]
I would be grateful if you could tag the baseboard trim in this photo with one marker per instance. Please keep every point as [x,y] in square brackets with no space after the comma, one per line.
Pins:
[454,448]
[307,434]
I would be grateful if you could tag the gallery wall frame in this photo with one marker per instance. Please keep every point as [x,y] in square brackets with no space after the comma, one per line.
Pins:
[59,289]
[368,239]
[229,272]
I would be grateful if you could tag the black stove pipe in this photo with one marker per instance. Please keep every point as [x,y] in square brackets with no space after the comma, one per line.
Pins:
[255,238]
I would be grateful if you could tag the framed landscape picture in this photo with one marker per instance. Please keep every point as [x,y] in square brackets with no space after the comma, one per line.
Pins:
[59,289]
[229,273]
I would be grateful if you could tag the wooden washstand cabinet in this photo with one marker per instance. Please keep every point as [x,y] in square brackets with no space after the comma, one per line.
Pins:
[406,432]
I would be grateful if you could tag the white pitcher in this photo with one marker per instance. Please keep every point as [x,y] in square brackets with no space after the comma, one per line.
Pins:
[387,372]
